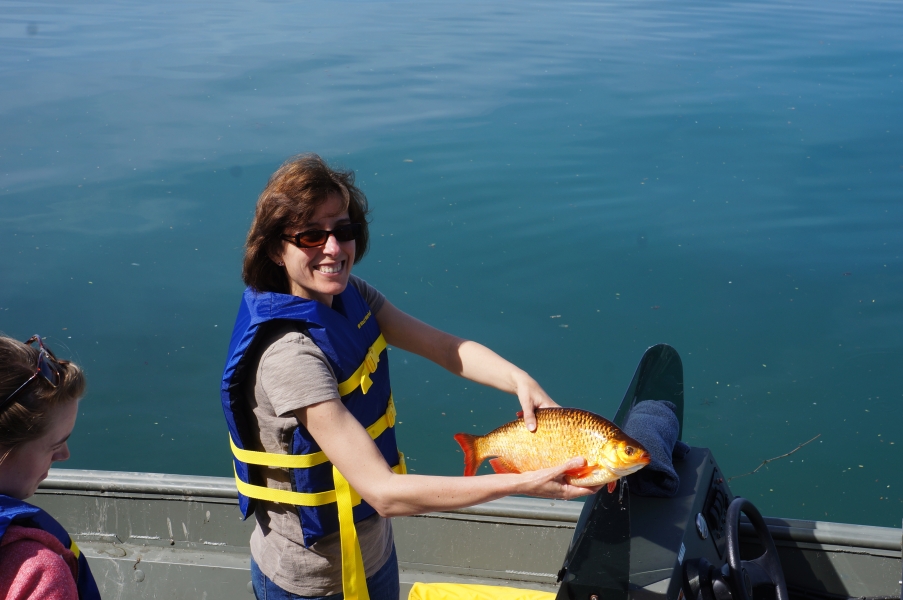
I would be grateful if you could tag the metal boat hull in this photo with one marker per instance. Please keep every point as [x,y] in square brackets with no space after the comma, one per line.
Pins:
[154,536]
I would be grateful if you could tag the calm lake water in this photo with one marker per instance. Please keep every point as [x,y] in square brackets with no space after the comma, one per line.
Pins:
[565,182]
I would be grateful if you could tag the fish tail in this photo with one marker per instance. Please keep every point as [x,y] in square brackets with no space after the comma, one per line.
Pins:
[471,459]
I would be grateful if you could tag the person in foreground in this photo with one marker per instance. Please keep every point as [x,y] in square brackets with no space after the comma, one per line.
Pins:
[310,411]
[39,398]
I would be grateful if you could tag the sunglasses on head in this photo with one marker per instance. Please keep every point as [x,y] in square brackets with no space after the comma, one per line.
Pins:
[48,367]
[314,238]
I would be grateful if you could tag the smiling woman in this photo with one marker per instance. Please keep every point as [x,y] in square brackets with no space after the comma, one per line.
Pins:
[307,217]
[39,398]
[318,261]
[310,410]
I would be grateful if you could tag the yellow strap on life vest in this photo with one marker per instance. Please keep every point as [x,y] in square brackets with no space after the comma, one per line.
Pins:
[73,547]
[271,459]
[402,468]
[260,492]
[305,461]
[354,578]
[361,377]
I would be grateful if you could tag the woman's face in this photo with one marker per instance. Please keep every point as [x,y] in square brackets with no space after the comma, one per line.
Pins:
[26,466]
[320,273]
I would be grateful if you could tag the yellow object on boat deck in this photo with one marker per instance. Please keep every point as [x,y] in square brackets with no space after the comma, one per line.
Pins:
[462,591]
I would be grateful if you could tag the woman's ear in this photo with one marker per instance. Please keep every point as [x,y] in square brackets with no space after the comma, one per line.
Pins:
[276,258]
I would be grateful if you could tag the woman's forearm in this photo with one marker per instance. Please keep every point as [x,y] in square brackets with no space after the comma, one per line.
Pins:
[462,357]
[354,454]
[402,495]
[480,364]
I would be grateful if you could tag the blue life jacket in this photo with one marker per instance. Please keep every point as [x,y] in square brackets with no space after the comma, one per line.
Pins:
[349,337]
[18,512]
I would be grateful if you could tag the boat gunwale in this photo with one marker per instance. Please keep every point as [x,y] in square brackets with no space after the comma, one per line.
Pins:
[198,487]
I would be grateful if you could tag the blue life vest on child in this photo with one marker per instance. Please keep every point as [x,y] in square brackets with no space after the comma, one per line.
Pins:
[349,337]
[18,512]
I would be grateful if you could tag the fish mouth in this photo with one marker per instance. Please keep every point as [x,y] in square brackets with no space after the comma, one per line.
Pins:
[623,472]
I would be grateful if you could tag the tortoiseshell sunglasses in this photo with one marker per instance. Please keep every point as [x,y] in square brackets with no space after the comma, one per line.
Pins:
[48,367]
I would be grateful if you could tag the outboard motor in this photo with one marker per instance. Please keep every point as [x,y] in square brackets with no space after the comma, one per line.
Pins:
[626,545]
[633,546]
[683,547]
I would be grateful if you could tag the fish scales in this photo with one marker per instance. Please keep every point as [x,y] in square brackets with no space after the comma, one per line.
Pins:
[561,434]
[558,438]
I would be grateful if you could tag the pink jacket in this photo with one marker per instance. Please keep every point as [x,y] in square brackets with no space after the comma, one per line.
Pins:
[34,564]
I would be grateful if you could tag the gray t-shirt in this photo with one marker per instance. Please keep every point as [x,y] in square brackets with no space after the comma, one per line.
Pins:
[292,373]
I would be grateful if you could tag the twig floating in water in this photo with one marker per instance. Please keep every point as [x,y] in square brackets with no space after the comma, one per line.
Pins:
[766,461]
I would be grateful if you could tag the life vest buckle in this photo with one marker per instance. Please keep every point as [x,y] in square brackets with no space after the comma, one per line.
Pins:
[371,360]
[390,412]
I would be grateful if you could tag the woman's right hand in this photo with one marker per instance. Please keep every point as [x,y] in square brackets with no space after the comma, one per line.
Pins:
[551,483]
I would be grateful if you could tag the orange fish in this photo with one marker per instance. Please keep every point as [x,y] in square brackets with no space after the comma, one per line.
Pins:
[561,434]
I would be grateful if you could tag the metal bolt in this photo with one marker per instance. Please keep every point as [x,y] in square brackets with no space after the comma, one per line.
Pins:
[747,583]
[139,575]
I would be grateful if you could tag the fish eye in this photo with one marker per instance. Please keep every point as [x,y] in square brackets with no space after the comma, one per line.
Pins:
[629,450]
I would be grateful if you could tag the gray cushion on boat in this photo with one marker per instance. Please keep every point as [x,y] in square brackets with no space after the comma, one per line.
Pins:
[654,425]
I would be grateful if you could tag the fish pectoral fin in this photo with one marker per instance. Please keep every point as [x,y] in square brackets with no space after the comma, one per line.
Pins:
[581,472]
[500,466]
[612,485]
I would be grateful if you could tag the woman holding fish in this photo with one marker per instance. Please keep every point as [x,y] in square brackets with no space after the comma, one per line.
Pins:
[309,407]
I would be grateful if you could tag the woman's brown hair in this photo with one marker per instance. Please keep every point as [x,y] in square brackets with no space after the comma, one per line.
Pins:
[289,200]
[26,416]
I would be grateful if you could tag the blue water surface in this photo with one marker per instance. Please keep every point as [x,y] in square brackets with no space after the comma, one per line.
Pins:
[565,182]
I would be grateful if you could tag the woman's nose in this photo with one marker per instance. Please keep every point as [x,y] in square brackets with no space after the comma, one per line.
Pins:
[332,245]
[62,454]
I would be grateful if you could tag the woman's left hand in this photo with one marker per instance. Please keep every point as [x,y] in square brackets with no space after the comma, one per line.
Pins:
[531,396]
